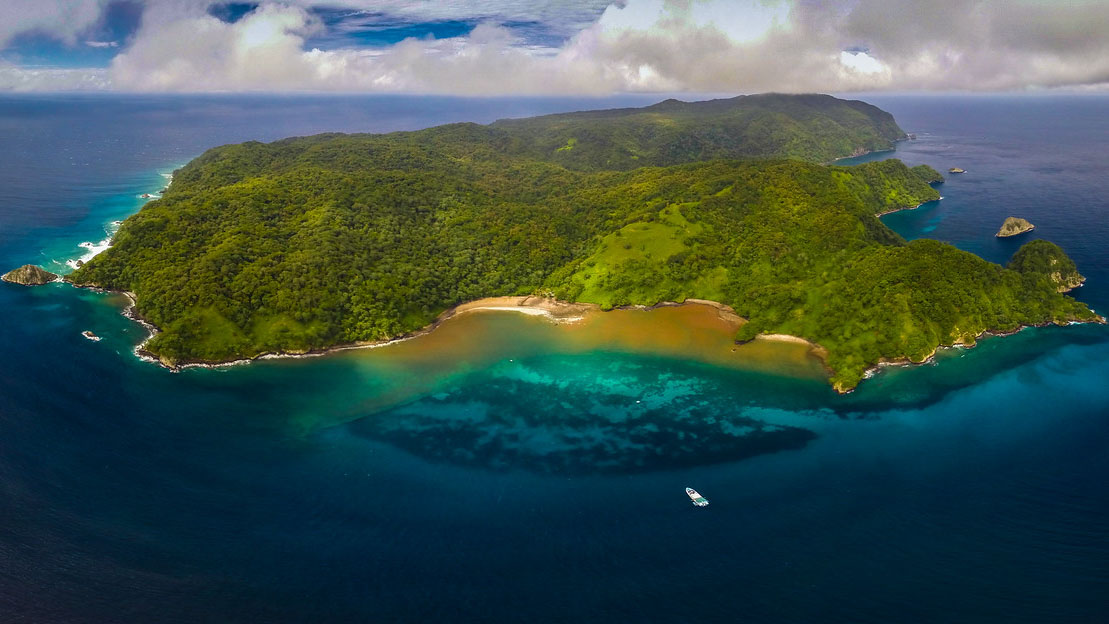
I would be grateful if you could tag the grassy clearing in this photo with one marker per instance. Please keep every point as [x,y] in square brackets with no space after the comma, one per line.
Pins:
[645,248]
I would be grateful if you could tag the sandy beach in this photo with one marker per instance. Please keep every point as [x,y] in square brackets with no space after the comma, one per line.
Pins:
[558,311]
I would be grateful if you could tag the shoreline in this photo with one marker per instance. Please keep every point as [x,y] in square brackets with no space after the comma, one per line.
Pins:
[91,249]
[816,349]
[903,208]
[866,153]
[555,311]
[930,359]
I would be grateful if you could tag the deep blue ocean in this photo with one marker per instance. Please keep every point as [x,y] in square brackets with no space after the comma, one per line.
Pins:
[545,488]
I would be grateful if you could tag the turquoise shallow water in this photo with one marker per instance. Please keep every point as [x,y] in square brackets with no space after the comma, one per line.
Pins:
[541,485]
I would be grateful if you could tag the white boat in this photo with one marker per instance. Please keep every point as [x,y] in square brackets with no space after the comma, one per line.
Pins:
[697,499]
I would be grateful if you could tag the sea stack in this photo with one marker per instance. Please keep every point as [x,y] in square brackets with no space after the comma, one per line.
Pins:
[29,275]
[1014,226]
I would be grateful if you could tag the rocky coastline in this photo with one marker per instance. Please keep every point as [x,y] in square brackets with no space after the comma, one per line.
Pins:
[554,310]
[891,211]
[961,343]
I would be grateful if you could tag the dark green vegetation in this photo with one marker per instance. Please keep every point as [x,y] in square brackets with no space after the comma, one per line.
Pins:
[307,243]
[1040,259]
[928,174]
[817,128]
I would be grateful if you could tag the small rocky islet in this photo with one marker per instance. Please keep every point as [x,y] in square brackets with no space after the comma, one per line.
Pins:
[1014,226]
[29,275]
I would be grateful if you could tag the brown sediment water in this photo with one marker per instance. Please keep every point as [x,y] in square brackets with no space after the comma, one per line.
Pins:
[480,338]
[693,331]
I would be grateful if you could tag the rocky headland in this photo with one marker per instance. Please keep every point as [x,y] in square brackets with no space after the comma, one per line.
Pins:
[1045,260]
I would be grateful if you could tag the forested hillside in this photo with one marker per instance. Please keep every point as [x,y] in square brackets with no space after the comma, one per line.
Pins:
[308,243]
[816,128]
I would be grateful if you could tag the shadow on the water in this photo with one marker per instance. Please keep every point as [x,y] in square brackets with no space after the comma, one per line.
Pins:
[613,414]
[626,423]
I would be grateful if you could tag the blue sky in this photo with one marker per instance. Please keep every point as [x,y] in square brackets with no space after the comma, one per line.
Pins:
[504,47]
[99,43]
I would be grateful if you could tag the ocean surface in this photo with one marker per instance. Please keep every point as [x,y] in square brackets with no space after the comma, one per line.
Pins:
[505,469]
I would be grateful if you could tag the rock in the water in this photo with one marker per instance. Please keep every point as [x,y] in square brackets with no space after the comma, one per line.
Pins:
[29,275]
[1014,226]
[956,170]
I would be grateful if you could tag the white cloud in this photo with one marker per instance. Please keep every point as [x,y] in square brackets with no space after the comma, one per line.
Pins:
[63,19]
[646,45]
[861,62]
[264,51]
[561,16]
[618,18]
[22,79]
[191,51]
[637,45]
[743,21]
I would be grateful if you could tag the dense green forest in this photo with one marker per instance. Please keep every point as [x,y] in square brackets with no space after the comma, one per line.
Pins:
[817,128]
[1040,259]
[312,242]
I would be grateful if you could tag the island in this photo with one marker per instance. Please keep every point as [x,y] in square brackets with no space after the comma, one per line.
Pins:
[956,170]
[311,243]
[1014,226]
[29,275]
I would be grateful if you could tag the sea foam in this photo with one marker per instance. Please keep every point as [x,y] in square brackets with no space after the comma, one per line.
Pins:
[92,250]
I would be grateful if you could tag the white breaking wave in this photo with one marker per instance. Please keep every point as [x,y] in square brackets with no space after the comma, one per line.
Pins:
[92,249]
